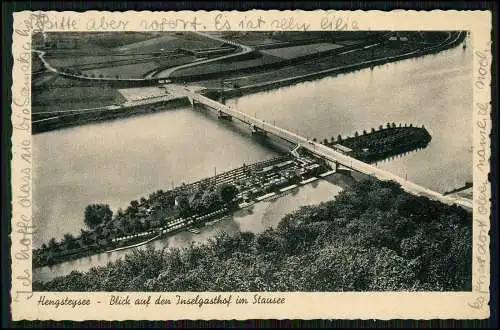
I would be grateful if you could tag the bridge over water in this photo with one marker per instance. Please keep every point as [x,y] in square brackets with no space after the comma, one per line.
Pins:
[332,156]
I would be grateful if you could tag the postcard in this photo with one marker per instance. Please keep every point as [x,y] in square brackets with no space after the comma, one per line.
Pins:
[251,165]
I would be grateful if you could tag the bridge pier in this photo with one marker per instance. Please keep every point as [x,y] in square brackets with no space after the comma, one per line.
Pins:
[258,131]
[342,169]
[192,101]
[224,116]
[339,168]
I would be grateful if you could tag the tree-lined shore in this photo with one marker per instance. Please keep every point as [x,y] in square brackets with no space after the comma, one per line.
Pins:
[373,237]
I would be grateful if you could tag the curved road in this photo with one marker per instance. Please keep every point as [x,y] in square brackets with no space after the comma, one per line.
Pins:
[166,73]
[244,50]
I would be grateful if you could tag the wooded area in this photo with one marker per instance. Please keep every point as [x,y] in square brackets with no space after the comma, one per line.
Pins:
[372,237]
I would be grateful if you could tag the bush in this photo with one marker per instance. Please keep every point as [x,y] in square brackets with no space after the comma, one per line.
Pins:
[365,240]
[97,214]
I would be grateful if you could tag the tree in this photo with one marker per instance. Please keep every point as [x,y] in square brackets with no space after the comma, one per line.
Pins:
[96,214]
[373,129]
[134,207]
[85,235]
[119,213]
[325,141]
[356,134]
[210,199]
[182,205]
[227,192]
[52,243]
[147,224]
[69,241]
[339,138]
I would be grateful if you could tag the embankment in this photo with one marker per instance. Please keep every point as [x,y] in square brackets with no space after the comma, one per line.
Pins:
[86,117]
[269,85]
[73,119]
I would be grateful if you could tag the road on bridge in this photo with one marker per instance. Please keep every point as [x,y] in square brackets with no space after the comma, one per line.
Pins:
[322,150]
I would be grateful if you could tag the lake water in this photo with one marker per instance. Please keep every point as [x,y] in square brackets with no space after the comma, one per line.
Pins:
[434,91]
[116,162]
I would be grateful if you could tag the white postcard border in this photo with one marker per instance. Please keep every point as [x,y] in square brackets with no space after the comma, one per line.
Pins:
[373,305]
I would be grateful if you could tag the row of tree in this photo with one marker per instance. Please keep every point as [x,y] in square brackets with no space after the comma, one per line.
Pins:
[373,237]
[102,227]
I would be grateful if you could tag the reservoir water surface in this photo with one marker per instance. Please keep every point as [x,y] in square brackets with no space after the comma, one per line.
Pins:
[119,161]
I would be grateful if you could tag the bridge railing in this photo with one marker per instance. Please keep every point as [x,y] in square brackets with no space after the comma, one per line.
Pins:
[328,153]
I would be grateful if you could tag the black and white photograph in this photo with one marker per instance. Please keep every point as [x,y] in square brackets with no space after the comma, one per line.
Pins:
[252,161]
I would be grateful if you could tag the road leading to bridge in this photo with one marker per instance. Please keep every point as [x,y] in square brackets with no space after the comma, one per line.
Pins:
[320,149]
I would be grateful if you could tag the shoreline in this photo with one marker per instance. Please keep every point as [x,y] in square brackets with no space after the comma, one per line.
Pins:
[47,255]
[271,197]
[77,119]
[182,223]
[335,179]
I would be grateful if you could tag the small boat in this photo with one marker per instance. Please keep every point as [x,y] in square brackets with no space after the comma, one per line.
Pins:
[194,230]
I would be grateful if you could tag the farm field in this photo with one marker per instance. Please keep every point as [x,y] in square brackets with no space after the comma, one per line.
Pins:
[42,79]
[141,69]
[248,38]
[132,58]
[36,64]
[305,68]
[62,62]
[71,98]
[95,41]
[171,43]
[361,55]
[47,80]
[348,42]
[167,62]
[137,70]
[220,66]
[260,77]
[302,50]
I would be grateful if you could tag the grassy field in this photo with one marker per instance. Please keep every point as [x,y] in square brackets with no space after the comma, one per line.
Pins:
[93,41]
[124,71]
[307,67]
[36,64]
[227,66]
[79,61]
[302,50]
[249,38]
[70,98]
[171,43]
[171,61]
[127,58]
[138,70]
[43,79]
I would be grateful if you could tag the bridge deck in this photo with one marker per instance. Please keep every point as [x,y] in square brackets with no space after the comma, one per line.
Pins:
[324,151]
